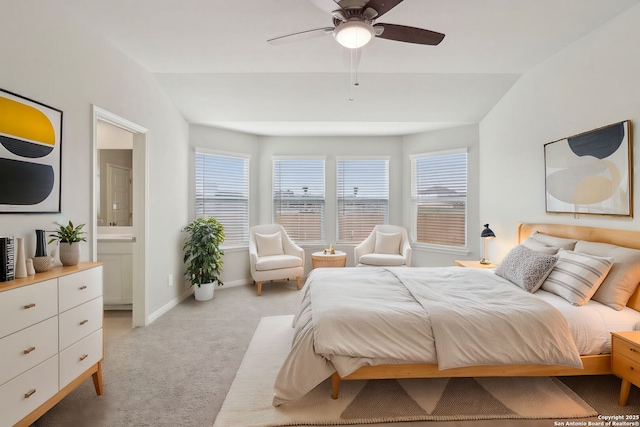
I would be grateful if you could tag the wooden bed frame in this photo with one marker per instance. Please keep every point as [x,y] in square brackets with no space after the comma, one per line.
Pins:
[592,365]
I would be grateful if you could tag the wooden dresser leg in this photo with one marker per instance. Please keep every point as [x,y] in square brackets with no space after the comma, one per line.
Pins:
[624,392]
[97,379]
[299,284]
[335,385]
[259,288]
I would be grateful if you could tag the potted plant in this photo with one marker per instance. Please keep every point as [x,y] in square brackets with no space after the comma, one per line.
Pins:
[203,256]
[69,237]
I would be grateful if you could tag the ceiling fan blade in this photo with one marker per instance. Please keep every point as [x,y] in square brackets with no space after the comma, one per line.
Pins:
[406,34]
[327,5]
[383,6]
[302,35]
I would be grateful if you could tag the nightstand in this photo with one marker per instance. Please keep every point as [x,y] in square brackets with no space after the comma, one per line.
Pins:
[625,361]
[472,264]
[337,259]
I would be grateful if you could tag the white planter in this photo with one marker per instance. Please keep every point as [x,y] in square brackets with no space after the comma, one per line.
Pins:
[204,292]
[69,253]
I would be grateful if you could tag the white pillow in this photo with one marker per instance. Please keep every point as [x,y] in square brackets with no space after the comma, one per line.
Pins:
[537,246]
[269,244]
[387,243]
[526,268]
[577,276]
[557,242]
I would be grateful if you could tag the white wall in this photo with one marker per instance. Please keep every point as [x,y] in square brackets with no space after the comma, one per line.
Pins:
[592,83]
[460,137]
[50,57]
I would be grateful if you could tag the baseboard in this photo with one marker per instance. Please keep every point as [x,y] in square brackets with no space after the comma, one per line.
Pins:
[168,306]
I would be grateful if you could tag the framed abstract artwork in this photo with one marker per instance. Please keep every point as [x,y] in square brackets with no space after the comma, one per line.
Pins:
[30,155]
[591,173]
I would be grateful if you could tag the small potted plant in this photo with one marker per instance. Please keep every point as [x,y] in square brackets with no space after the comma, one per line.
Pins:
[203,256]
[69,237]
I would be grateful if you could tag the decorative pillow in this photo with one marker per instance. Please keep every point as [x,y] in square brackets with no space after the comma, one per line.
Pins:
[577,276]
[526,268]
[387,243]
[534,245]
[622,280]
[269,244]
[558,242]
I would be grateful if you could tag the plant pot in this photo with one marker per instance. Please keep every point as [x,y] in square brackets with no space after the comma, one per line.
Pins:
[69,253]
[204,292]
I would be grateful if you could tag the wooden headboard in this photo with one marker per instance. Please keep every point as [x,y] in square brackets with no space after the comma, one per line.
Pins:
[626,238]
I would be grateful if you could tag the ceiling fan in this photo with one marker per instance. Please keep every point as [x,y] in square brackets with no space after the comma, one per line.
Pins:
[354,25]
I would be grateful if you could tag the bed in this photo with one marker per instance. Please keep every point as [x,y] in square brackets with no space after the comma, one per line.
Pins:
[560,347]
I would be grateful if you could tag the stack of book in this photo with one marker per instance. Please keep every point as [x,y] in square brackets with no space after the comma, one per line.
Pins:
[7,261]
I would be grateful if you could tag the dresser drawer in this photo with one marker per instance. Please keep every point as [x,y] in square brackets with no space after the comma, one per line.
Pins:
[80,357]
[27,305]
[25,349]
[80,287]
[28,391]
[80,321]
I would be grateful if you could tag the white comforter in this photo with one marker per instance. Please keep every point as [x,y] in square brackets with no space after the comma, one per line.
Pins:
[454,317]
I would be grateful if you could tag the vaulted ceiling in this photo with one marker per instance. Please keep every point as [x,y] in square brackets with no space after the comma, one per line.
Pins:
[213,60]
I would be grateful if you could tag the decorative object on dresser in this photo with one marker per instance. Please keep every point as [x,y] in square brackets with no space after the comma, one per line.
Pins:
[591,173]
[31,161]
[21,261]
[42,264]
[486,234]
[69,238]
[51,332]
[203,255]
[7,262]
[625,361]
[30,269]
[41,243]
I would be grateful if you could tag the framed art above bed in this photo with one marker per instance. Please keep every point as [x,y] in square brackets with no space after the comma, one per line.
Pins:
[591,173]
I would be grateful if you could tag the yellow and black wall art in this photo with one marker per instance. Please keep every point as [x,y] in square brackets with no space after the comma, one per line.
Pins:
[30,155]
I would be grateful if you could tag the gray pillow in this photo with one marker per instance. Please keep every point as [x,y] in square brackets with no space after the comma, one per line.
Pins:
[526,268]
[623,278]
[537,246]
[558,242]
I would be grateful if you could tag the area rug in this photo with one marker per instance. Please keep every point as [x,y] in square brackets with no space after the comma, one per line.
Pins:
[248,402]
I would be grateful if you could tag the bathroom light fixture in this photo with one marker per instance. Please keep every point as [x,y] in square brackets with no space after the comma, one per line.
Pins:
[487,233]
[353,34]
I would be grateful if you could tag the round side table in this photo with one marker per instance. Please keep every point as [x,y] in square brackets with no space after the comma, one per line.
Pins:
[320,259]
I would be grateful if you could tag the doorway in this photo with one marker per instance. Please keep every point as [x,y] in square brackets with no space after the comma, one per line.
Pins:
[136,217]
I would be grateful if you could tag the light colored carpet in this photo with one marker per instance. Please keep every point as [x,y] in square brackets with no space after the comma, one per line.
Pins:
[248,402]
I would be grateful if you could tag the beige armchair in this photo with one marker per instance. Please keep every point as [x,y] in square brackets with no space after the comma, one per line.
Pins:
[387,245]
[273,255]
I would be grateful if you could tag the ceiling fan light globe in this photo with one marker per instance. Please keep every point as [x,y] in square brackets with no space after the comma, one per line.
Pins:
[353,34]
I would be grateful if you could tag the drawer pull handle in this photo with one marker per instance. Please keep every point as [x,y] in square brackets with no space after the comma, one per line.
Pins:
[28,306]
[83,322]
[29,350]
[29,393]
[84,356]
[83,287]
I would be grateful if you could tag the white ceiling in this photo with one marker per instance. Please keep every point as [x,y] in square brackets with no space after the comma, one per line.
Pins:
[212,59]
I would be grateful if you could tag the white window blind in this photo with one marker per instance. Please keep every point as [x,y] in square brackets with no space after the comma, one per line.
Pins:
[439,195]
[222,191]
[363,197]
[298,198]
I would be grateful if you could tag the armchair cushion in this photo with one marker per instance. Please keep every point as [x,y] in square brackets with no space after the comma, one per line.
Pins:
[388,243]
[382,259]
[276,262]
[269,244]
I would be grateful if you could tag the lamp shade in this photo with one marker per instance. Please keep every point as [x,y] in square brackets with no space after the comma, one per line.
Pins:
[487,233]
[353,34]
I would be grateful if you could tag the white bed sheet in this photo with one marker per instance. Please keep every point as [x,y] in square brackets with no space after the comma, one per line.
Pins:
[591,324]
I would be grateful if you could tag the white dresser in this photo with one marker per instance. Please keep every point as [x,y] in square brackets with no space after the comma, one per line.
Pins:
[50,339]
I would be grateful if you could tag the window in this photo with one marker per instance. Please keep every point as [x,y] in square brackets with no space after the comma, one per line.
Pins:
[298,198]
[439,196]
[363,197]
[222,191]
